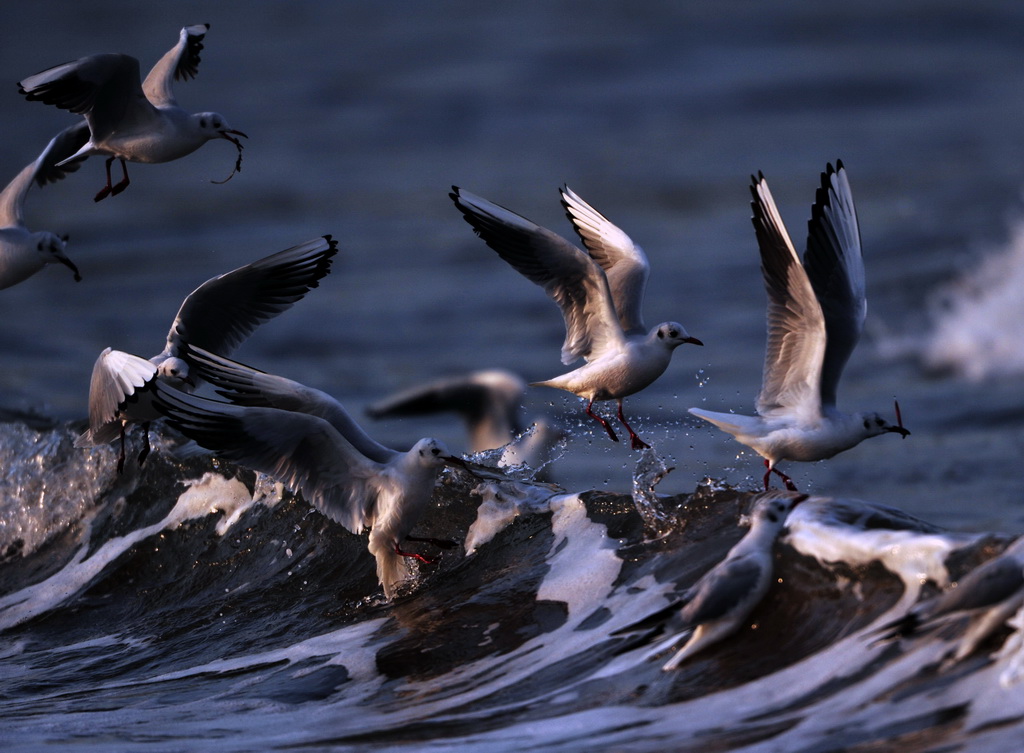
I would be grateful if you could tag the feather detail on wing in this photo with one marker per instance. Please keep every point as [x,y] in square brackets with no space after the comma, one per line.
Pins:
[835,268]
[303,452]
[796,328]
[568,275]
[180,63]
[225,310]
[624,263]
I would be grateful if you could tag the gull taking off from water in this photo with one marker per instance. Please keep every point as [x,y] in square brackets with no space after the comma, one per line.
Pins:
[718,604]
[22,252]
[816,314]
[130,119]
[600,294]
[218,315]
[310,455]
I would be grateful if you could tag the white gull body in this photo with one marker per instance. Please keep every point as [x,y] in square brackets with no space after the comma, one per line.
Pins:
[218,315]
[130,119]
[718,604]
[816,314]
[310,455]
[23,252]
[600,293]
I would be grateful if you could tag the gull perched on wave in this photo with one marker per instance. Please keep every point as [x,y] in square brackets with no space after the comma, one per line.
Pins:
[719,603]
[319,458]
[600,293]
[218,315]
[816,313]
[126,118]
[22,252]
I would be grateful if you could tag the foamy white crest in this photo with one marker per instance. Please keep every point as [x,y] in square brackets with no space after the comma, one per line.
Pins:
[502,503]
[823,528]
[210,493]
[977,328]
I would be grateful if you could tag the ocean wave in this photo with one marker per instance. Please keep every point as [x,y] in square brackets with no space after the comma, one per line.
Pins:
[192,604]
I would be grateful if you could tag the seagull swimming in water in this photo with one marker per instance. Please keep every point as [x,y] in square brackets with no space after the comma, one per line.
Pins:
[312,455]
[218,315]
[600,293]
[816,313]
[719,603]
[128,119]
[22,252]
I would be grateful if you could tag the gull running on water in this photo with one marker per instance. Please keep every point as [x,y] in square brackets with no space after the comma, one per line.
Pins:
[490,404]
[130,119]
[815,317]
[22,252]
[989,595]
[718,604]
[600,293]
[310,455]
[218,315]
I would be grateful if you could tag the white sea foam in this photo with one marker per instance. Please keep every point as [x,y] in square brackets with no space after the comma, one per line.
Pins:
[203,496]
[825,529]
[977,318]
[503,502]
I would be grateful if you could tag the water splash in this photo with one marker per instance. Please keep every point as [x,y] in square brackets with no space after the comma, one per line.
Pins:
[977,317]
[650,469]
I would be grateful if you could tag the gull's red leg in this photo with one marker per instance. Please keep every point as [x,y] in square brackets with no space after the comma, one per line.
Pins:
[607,427]
[105,191]
[420,557]
[638,444]
[786,480]
[124,181]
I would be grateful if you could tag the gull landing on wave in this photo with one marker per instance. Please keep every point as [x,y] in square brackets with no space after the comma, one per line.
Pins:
[600,293]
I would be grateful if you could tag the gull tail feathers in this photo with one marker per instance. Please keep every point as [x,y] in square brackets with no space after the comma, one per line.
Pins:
[392,567]
[729,422]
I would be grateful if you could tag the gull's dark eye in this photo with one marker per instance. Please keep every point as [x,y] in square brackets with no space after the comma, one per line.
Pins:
[673,333]
[772,518]
[202,122]
[435,451]
[661,335]
[879,421]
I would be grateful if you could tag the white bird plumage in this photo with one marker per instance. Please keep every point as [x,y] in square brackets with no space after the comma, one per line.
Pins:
[816,313]
[719,603]
[218,316]
[130,119]
[600,293]
[315,457]
[23,252]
